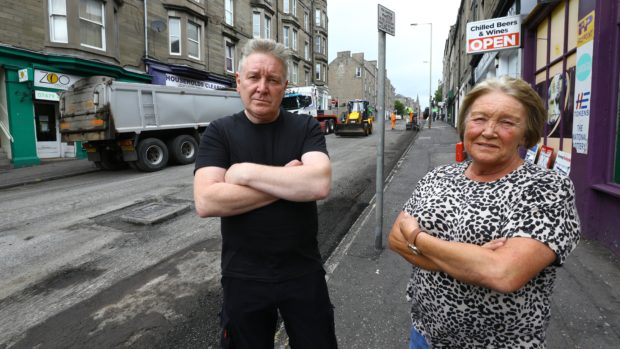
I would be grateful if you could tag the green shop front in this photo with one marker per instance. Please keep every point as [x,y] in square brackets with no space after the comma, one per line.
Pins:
[29,102]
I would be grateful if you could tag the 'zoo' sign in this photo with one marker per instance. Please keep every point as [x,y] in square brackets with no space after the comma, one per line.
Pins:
[49,79]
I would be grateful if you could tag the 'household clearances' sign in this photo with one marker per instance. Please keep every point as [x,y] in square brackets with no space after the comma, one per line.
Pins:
[494,34]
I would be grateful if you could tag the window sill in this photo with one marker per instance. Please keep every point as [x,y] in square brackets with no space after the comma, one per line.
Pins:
[612,189]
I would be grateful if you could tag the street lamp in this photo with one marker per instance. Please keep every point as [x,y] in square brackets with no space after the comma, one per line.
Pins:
[430,75]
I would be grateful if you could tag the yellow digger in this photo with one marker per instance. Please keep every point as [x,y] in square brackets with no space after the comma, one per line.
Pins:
[356,121]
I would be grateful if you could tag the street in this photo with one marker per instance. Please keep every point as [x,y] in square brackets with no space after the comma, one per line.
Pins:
[79,270]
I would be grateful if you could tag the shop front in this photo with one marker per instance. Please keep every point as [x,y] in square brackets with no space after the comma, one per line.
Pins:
[571,55]
[29,102]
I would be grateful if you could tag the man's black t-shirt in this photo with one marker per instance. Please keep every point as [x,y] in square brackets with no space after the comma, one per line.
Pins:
[278,241]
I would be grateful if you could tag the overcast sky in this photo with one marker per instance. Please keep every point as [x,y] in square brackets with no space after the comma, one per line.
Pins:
[353,27]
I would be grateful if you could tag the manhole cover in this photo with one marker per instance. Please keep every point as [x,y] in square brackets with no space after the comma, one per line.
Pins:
[154,212]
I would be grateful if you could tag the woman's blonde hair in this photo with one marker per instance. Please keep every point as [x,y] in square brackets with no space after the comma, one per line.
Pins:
[536,114]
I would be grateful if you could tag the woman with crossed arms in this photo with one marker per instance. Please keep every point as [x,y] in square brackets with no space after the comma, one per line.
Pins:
[485,236]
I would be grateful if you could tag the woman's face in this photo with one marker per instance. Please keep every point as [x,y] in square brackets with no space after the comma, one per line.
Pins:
[494,129]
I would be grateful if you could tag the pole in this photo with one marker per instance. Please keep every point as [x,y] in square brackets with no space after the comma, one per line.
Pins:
[380,145]
[430,81]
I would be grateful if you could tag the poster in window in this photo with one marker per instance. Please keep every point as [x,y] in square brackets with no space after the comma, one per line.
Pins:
[560,104]
[530,155]
[562,163]
[544,157]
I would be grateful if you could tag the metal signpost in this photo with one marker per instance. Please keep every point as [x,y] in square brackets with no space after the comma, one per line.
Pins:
[385,24]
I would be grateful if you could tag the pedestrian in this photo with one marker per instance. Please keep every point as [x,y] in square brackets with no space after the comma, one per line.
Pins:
[262,170]
[486,236]
[393,120]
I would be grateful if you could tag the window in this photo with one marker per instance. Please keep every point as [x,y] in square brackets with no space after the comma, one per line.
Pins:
[230,57]
[294,7]
[92,28]
[317,44]
[267,27]
[307,50]
[358,72]
[306,21]
[617,167]
[306,77]
[295,69]
[294,39]
[58,21]
[193,40]
[228,11]
[285,7]
[256,24]
[324,47]
[317,72]
[285,36]
[174,28]
[317,17]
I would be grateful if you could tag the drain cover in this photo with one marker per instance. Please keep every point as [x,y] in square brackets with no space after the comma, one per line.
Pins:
[154,212]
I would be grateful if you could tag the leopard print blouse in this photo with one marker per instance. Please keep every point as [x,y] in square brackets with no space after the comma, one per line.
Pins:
[529,202]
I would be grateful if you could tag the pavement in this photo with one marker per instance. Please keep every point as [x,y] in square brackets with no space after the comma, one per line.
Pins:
[47,170]
[367,285]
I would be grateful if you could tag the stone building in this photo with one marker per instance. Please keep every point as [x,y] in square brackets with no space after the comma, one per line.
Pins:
[353,77]
[46,45]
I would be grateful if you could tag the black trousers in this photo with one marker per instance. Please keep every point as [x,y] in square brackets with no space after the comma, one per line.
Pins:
[250,312]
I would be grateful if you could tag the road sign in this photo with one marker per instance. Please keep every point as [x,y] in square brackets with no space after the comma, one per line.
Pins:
[386,20]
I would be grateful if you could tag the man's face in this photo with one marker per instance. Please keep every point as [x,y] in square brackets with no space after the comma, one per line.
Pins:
[261,84]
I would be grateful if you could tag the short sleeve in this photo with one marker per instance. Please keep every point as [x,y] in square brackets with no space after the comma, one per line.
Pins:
[315,139]
[547,213]
[213,150]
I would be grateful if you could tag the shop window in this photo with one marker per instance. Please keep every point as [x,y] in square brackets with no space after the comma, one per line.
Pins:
[193,40]
[58,21]
[555,73]
[617,162]
[92,27]
[230,56]
[174,29]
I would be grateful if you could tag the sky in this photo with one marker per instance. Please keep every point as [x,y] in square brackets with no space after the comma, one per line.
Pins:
[353,27]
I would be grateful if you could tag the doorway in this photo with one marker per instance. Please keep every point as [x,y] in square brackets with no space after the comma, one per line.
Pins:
[46,124]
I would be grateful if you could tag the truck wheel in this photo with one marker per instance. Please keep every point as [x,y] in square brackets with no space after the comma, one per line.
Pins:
[331,126]
[369,129]
[152,155]
[183,149]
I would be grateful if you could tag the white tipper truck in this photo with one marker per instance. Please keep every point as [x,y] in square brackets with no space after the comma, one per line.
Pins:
[142,125]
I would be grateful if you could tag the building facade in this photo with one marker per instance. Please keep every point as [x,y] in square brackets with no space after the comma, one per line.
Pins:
[46,45]
[570,53]
[353,77]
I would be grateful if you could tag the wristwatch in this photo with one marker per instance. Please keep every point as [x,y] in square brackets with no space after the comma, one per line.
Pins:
[411,241]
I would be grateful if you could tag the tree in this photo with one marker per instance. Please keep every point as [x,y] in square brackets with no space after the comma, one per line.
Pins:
[439,93]
[399,107]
